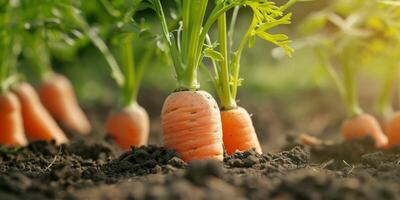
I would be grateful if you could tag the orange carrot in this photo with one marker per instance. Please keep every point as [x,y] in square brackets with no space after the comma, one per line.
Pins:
[363,125]
[130,127]
[57,95]
[11,128]
[192,125]
[238,131]
[38,123]
[392,129]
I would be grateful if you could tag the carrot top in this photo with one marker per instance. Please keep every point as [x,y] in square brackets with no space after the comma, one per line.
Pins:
[346,31]
[186,44]
[226,61]
[128,36]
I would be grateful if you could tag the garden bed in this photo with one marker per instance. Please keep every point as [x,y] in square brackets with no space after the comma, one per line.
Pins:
[95,170]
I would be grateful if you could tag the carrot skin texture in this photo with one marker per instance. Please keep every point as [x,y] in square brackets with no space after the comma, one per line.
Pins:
[11,127]
[362,126]
[392,129]
[57,95]
[238,131]
[191,124]
[129,127]
[38,123]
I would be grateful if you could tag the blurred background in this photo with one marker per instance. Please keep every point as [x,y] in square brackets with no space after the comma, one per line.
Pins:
[286,96]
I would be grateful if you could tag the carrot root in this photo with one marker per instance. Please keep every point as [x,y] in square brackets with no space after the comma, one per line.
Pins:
[11,128]
[238,131]
[130,127]
[191,125]
[362,126]
[38,123]
[57,95]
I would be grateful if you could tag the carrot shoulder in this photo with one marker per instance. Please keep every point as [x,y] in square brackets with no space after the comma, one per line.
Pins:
[11,128]
[363,125]
[238,131]
[38,123]
[58,96]
[129,127]
[191,124]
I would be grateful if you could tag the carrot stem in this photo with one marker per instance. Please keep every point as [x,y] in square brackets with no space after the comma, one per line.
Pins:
[351,99]
[237,57]
[39,56]
[385,98]
[327,66]
[226,99]
[128,65]
[139,72]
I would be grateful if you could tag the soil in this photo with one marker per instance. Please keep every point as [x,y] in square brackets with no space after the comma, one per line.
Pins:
[84,170]
[92,167]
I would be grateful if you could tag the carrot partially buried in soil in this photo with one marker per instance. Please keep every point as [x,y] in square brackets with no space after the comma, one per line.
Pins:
[238,129]
[191,120]
[38,123]
[11,128]
[363,125]
[192,125]
[129,127]
[57,95]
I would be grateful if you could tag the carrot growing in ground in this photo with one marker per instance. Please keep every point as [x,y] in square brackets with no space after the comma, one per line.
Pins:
[388,25]
[238,131]
[190,117]
[346,45]
[11,128]
[129,126]
[55,90]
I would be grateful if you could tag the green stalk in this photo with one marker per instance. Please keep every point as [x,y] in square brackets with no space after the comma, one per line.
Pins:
[191,42]
[385,98]
[139,72]
[213,17]
[226,99]
[74,15]
[161,16]
[237,57]
[326,65]
[3,73]
[40,58]
[232,27]
[351,99]
[127,59]
[99,43]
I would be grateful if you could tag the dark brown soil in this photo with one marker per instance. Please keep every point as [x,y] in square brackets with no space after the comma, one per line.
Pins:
[83,170]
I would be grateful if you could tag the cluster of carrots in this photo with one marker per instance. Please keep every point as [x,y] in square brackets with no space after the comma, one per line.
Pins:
[192,121]
[28,113]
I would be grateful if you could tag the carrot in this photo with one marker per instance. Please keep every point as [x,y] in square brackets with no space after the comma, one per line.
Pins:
[57,95]
[38,123]
[238,131]
[392,129]
[364,125]
[191,124]
[129,127]
[11,129]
